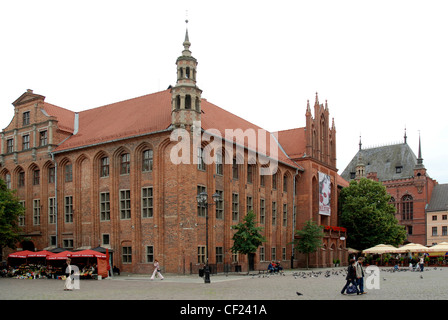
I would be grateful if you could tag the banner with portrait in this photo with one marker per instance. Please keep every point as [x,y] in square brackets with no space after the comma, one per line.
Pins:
[324,194]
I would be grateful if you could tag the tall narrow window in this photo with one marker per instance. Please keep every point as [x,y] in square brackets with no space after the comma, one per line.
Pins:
[285,214]
[9,145]
[36,212]
[234,169]
[25,142]
[104,168]
[43,138]
[201,210]
[68,209]
[125,165]
[235,207]
[51,174]
[285,183]
[125,204]
[219,166]
[250,173]
[147,202]
[274,213]
[407,207]
[147,160]
[201,162]
[26,118]
[220,205]
[68,171]
[51,210]
[36,177]
[104,206]
[262,211]
[187,101]
[274,181]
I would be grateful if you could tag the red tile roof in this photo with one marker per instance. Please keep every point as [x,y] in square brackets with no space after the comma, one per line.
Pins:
[143,115]
[293,142]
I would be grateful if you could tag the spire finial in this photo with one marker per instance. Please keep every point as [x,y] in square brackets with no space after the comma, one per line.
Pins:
[360,144]
[405,135]
[186,43]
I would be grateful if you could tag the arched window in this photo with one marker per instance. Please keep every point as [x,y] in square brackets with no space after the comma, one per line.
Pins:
[177,105]
[196,104]
[407,207]
[187,101]
[147,160]
[187,73]
[285,183]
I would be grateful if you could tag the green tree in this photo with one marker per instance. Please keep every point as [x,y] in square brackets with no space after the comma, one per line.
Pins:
[10,210]
[368,215]
[247,239]
[309,239]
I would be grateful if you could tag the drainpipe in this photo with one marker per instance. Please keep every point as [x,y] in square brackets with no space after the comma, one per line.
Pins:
[294,211]
[55,194]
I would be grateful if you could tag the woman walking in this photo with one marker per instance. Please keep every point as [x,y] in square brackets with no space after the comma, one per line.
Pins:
[68,285]
[156,270]
[351,277]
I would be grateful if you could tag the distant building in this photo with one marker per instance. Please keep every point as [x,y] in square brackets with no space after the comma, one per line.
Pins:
[405,178]
[437,215]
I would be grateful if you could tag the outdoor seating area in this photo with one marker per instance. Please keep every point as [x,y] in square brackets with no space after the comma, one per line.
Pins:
[44,264]
[406,255]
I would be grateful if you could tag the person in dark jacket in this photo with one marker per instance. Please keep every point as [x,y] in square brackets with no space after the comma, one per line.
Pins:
[351,277]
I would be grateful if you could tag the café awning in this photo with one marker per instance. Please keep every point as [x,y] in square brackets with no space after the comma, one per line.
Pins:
[87,254]
[379,249]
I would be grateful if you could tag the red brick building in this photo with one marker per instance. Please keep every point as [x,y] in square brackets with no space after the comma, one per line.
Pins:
[108,177]
[405,178]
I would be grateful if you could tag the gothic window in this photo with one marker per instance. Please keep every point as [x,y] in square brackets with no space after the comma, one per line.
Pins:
[197,104]
[68,171]
[147,160]
[407,207]
[177,103]
[104,169]
[187,101]
[285,183]
[36,177]
[125,167]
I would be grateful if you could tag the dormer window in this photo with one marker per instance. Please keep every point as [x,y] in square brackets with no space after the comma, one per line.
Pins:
[26,118]
[398,169]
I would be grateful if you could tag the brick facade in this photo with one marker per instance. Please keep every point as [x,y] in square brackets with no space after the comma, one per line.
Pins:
[108,176]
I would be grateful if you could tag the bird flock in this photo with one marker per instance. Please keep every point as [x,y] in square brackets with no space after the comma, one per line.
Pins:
[341,273]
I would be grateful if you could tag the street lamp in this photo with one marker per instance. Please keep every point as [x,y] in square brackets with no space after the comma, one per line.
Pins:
[203,203]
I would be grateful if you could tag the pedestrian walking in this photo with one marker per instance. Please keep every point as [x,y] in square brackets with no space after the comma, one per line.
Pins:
[68,285]
[156,270]
[360,275]
[421,263]
[351,277]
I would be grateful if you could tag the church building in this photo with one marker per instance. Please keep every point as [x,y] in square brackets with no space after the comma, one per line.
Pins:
[126,177]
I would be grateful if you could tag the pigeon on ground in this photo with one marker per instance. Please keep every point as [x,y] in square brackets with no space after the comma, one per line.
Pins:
[299,294]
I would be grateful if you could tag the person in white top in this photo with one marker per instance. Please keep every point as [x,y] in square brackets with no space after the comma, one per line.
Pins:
[156,270]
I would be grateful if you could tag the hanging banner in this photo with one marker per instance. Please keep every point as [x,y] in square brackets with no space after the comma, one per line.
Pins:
[324,194]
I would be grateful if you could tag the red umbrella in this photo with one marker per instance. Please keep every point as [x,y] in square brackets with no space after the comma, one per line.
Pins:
[20,254]
[40,254]
[59,256]
[87,254]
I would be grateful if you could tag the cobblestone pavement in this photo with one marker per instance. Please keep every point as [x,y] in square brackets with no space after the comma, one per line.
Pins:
[312,284]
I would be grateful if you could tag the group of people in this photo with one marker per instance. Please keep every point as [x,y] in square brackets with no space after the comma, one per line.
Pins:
[275,267]
[355,277]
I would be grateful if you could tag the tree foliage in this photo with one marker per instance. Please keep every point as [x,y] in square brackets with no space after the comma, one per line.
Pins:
[247,239]
[10,209]
[309,239]
[368,215]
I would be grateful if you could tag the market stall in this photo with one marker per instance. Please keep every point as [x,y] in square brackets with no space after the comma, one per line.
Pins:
[91,263]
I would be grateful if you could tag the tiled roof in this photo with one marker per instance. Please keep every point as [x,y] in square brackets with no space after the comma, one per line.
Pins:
[293,142]
[439,198]
[384,161]
[147,114]
[65,117]
[120,120]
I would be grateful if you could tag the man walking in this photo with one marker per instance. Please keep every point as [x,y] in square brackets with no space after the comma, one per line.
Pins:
[360,275]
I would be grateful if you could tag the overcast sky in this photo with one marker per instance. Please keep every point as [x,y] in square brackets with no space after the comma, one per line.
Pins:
[381,65]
